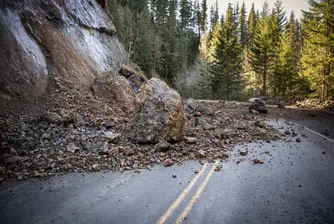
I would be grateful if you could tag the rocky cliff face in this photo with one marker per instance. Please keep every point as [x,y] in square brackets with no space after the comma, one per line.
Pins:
[54,44]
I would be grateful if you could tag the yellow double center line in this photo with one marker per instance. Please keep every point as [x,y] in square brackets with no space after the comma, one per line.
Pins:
[193,200]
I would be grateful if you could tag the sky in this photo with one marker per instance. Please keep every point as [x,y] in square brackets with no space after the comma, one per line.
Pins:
[289,5]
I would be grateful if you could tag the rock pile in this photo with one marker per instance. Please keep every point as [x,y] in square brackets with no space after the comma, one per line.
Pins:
[54,144]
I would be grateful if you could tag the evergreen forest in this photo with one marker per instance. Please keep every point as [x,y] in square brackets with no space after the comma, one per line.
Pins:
[234,56]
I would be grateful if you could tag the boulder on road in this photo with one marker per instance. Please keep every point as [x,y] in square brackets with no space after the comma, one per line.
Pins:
[160,115]
[258,105]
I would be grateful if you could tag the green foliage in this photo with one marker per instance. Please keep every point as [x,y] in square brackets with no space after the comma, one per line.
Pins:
[226,59]
[231,56]
[262,52]
[318,52]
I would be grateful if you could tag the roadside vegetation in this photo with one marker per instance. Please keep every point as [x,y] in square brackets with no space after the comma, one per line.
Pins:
[237,55]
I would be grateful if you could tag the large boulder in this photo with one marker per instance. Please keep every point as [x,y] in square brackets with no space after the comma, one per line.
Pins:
[116,89]
[160,115]
[257,105]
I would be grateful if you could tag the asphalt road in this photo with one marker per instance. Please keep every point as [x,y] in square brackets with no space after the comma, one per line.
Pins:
[294,185]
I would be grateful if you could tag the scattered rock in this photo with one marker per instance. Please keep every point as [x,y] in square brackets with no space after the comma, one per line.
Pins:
[298,140]
[162,146]
[199,121]
[72,148]
[191,140]
[258,161]
[174,176]
[196,171]
[197,114]
[260,124]
[243,152]
[68,166]
[50,117]
[103,150]
[218,168]
[201,153]
[168,162]
[287,132]
[71,119]
[111,137]
[96,167]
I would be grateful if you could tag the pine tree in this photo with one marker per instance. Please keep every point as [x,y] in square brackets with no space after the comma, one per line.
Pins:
[226,66]
[277,23]
[243,26]
[261,54]
[318,52]
[214,42]
[204,16]
[214,16]
[251,25]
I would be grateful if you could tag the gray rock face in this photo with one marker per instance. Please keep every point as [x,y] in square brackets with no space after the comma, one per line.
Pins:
[20,54]
[256,104]
[54,44]
[160,116]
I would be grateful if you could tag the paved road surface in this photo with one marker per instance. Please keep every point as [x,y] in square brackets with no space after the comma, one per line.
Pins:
[294,185]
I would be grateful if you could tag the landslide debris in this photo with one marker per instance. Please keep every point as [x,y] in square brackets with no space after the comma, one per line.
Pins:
[75,138]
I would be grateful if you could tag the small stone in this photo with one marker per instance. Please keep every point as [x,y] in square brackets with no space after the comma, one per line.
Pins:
[72,148]
[50,117]
[218,168]
[67,166]
[201,153]
[96,167]
[324,153]
[111,137]
[168,162]
[197,114]
[191,140]
[174,176]
[260,124]
[299,185]
[243,152]
[258,161]
[162,146]
[298,140]
[196,171]
[287,132]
